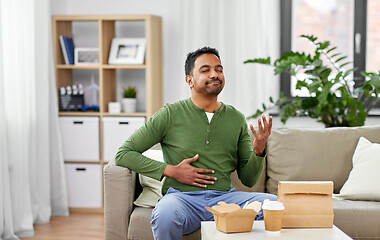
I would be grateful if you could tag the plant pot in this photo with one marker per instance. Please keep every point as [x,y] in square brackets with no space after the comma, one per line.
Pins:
[129,105]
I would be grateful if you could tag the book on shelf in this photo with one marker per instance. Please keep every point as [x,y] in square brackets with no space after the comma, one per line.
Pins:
[67,46]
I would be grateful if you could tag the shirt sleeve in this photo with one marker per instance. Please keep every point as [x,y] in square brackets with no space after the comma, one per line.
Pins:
[250,166]
[152,132]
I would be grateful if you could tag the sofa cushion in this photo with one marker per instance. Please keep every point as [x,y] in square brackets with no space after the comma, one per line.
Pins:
[358,219]
[151,187]
[258,187]
[140,227]
[363,181]
[314,154]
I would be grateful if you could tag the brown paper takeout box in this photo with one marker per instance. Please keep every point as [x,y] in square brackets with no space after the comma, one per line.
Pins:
[308,204]
[230,218]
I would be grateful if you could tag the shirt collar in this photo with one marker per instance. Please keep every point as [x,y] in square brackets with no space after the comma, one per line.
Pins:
[201,109]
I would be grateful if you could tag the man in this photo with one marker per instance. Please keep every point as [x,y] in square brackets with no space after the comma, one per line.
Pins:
[203,142]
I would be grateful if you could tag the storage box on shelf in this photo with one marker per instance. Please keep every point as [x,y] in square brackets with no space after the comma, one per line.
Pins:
[80,138]
[84,182]
[95,141]
[114,131]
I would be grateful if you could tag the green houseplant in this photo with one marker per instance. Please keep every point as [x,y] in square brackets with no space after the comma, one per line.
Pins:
[129,100]
[129,92]
[334,100]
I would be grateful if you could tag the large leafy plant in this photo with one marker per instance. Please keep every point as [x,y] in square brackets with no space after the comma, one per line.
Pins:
[334,100]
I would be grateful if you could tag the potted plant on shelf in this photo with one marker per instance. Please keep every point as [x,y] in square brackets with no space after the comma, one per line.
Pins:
[334,98]
[129,100]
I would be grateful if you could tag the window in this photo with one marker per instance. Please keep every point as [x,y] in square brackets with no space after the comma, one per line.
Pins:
[351,25]
[373,36]
[336,27]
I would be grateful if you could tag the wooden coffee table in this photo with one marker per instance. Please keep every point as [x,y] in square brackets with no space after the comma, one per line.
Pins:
[209,232]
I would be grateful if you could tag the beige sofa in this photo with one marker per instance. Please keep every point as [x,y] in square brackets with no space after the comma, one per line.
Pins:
[292,154]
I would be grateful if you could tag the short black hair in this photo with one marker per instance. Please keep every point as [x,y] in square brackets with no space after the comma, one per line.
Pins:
[192,56]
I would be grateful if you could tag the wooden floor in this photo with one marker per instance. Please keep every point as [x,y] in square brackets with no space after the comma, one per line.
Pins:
[77,226]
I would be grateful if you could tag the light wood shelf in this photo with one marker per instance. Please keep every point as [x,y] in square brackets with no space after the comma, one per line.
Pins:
[62,25]
[97,66]
[137,67]
[71,66]
[125,114]
[105,114]
[106,27]
[81,162]
[79,114]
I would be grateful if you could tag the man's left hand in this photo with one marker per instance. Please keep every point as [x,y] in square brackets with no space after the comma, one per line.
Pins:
[262,136]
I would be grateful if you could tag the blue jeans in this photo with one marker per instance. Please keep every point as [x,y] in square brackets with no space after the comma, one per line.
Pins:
[180,213]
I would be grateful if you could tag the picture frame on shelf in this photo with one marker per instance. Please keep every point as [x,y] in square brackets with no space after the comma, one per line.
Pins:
[127,51]
[86,56]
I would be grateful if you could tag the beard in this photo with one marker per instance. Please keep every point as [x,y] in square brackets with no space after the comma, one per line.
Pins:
[210,88]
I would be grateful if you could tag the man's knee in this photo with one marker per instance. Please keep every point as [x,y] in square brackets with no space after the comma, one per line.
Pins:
[271,197]
[261,197]
[167,212]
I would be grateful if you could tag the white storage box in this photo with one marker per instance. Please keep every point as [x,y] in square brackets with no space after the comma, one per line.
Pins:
[84,184]
[116,130]
[80,138]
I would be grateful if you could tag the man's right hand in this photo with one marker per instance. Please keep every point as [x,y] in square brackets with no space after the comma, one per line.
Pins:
[185,173]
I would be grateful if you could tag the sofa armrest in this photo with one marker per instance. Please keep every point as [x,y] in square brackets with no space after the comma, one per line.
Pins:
[119,191]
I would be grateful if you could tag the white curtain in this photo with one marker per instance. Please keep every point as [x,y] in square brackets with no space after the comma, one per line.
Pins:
[240,30]
[32,186]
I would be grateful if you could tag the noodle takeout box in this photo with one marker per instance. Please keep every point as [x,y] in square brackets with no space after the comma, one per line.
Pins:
[230,218]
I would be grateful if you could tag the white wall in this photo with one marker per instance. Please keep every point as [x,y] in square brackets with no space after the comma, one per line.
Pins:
[173,61]
[173,58]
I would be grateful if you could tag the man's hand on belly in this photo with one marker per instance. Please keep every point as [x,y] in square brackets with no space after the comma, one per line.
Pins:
[185,173]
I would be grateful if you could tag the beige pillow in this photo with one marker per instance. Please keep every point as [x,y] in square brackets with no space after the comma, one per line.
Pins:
[363,181]
[151,187]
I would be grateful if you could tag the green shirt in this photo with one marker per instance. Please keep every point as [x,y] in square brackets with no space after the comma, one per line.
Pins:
[183,130]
